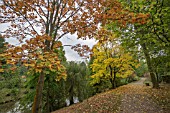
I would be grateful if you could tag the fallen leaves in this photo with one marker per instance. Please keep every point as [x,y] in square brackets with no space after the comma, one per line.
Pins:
[132,98]
[101,103]
[161,96]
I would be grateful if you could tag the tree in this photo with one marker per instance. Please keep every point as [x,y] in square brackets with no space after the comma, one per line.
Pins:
[152,35]
[3,47]
[110,60]
[76,81]
[2,44]
[55,91]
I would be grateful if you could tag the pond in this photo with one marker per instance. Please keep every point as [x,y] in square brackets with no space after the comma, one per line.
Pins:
[12,107]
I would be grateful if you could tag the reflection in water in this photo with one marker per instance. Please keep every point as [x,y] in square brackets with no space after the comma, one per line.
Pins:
[76,100]
[12,107]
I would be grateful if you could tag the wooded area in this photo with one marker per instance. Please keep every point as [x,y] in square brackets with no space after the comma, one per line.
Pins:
[132,41]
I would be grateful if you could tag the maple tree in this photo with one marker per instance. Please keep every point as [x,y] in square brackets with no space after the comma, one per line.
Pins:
[110,59]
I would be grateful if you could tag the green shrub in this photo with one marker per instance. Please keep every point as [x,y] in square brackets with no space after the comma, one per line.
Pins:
[14,91]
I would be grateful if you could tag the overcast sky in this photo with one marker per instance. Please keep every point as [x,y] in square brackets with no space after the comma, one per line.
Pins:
[71,55]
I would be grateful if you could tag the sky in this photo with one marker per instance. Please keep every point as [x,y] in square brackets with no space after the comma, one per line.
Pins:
[69,39]
[71,55]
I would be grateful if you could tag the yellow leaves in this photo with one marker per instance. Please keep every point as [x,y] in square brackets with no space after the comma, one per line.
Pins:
[96,79]
[26,65]
[41,57]
[37,70]
[11,62]
[30,65]
[137,65]
[1,70]
[62,75]
[49,67]
[110,59]
[95,67]
[2,55]
[57,62]
[18,49]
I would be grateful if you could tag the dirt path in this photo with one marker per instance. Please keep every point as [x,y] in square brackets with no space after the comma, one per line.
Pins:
[136,100]
[139,82]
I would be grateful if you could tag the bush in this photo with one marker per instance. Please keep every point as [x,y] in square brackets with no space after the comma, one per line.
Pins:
[14,91]
[13,82]
[136,78]
[121,81]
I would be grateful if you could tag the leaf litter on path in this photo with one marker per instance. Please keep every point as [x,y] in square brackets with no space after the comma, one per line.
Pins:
[131,98]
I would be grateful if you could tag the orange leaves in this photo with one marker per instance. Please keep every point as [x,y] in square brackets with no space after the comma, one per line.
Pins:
[69,2]
[45,37]
[79,16]
[14,25]
[33,54]
[114,12]
[83,50]
[103,35]
[37,42]
[20,3]
[57,44]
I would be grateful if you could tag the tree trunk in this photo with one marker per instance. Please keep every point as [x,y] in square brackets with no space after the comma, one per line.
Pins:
[48,103]
[37,105]
[71,100]
[150,68]
[113,77]
[71,94]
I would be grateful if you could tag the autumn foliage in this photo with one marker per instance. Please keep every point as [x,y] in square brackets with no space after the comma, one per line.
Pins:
[45,22]
[32,54]
[110,59]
